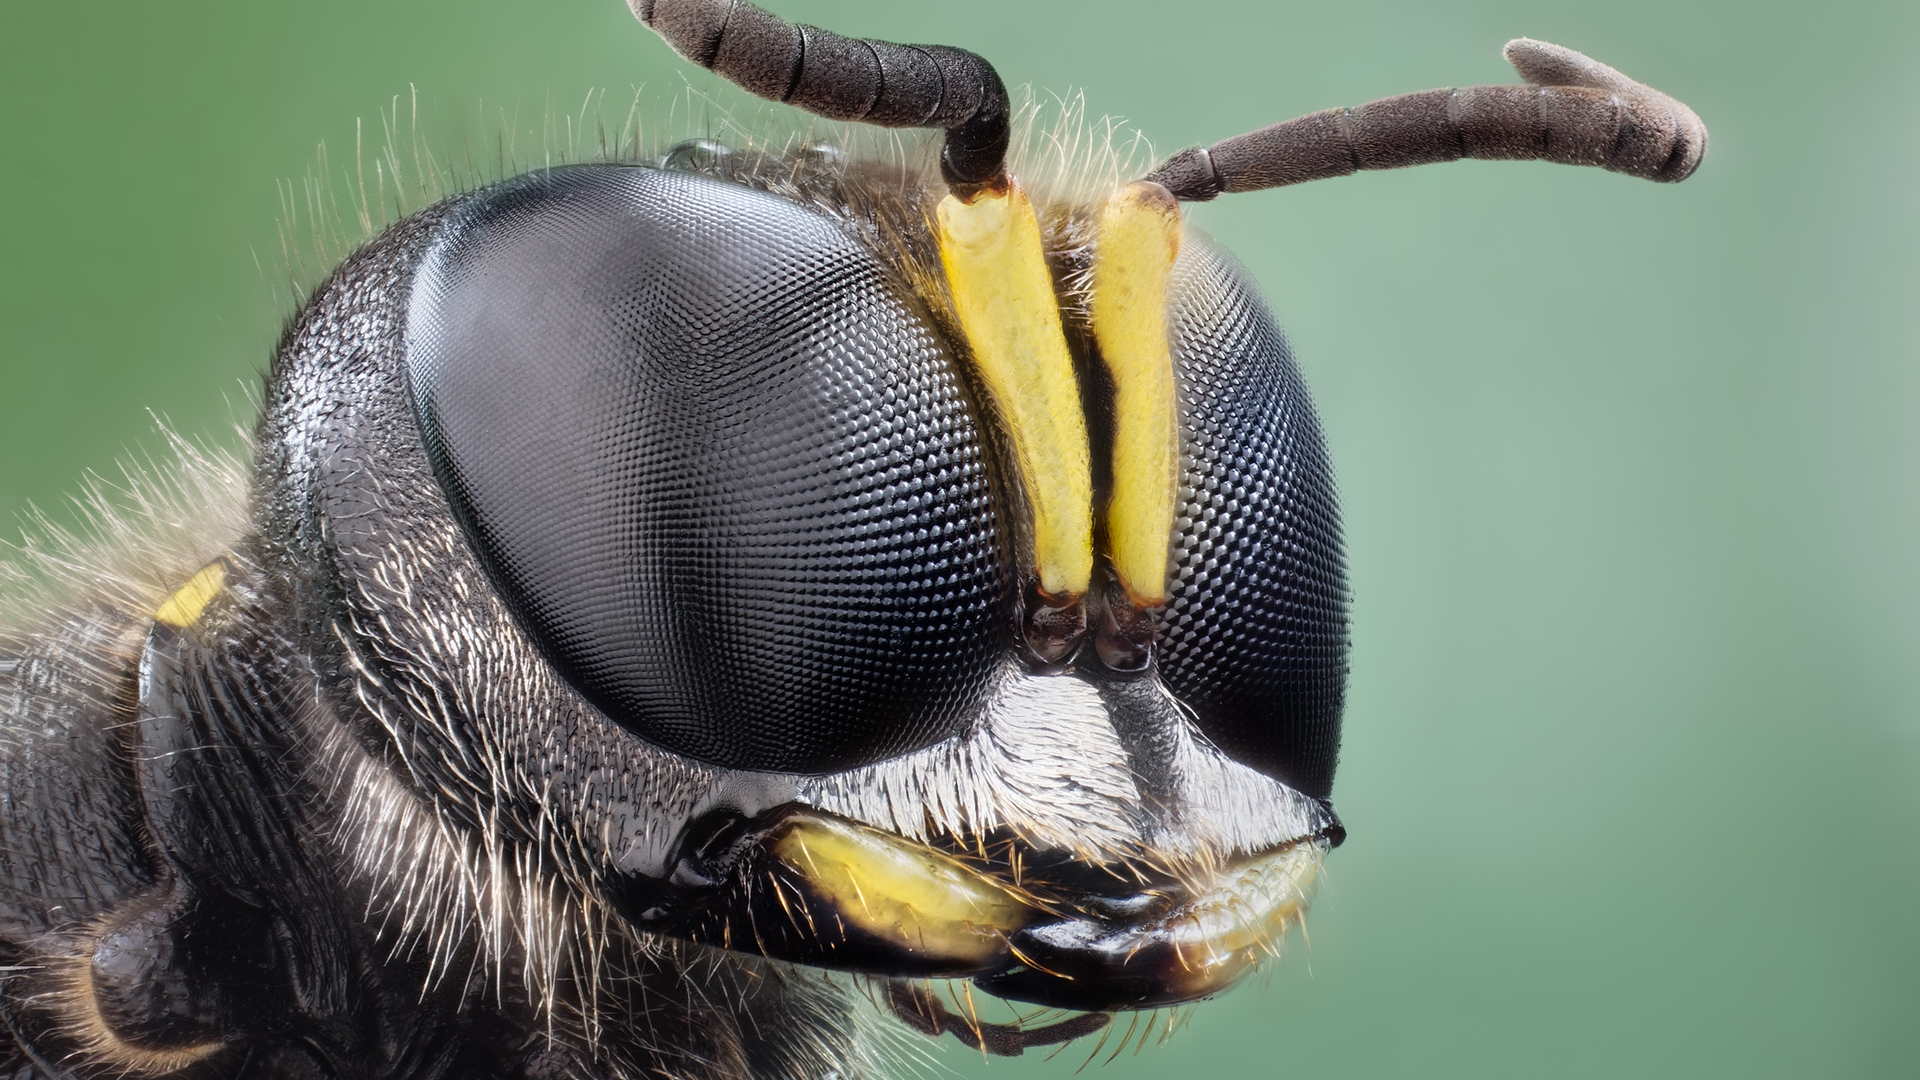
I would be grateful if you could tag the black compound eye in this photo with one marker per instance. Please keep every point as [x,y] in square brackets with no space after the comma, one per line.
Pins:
[717,462]
[1255,632]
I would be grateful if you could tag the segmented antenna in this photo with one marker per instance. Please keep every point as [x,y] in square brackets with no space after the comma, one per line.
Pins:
[842,78]
[1574,110]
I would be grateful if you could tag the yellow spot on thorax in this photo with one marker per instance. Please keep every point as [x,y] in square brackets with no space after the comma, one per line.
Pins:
[1003,297]
[190,601]
[1139,239]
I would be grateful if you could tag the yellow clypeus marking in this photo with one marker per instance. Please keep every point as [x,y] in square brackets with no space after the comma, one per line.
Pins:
[190,601]
[1139,239]
[901,892]
[1004,299]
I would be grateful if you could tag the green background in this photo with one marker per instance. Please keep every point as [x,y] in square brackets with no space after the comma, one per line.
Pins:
[1632,769]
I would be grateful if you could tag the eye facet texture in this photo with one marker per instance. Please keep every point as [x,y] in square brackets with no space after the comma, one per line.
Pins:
[1254,639]
[716,460]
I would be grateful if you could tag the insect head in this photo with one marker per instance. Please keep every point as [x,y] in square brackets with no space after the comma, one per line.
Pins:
[679,612]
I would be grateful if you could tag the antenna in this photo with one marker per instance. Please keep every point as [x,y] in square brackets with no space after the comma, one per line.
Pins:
[1574,110]
[843,78]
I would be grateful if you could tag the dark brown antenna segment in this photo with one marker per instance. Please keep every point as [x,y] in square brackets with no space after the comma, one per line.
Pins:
[843,78]
[1574,110]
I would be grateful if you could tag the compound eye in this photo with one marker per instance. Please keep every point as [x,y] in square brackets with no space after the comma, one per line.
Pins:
[716,461]
[1255,632]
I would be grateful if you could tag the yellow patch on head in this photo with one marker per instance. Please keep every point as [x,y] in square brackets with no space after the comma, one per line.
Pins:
[1139,239]
[1004,299]
[901,892]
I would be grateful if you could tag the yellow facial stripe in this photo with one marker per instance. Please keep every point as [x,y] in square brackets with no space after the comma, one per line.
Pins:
[1004,299]
[902,893]
[190,601]
[1139,240]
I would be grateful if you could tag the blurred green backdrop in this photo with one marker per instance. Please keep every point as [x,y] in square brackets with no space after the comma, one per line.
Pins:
[1633,757]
